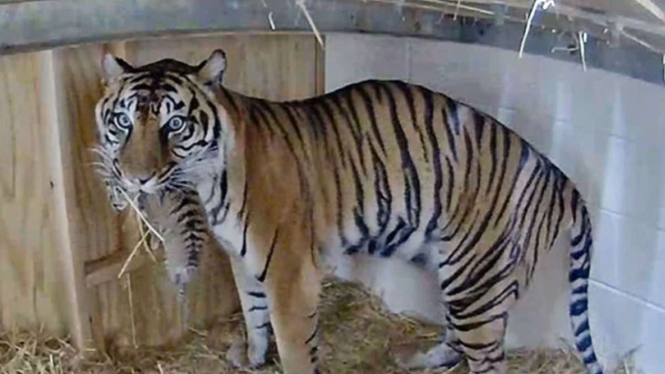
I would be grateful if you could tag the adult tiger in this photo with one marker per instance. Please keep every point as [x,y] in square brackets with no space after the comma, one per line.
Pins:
[380,167]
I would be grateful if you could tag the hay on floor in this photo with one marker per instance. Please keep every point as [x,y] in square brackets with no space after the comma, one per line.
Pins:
[359,336]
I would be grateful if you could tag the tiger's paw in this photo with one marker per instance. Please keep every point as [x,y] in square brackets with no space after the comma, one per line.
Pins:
[441,355]
[246,356]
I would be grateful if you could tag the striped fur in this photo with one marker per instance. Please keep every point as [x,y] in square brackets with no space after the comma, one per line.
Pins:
[181,219]
[378,167]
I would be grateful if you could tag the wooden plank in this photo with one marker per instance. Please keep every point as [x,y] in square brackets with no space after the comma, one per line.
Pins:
[93,228]
[106,269]
[54,215]
[320,66]
[36,288]
[275,67]
[79,324]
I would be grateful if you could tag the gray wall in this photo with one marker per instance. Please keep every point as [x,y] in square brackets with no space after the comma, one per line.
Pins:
[603,130]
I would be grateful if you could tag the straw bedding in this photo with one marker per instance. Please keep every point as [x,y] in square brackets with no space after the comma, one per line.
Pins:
[359,336]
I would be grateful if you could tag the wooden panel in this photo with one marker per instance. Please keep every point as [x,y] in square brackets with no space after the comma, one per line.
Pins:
[32,286]
[154,316]
[94,230]
[54,215]
[274,67]
[320,74]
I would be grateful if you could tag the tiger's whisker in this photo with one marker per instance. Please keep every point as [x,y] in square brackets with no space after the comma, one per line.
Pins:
[98,164]
[102,153]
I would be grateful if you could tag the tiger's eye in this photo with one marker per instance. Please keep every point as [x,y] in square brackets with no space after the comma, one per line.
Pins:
[123,121]
[176,124]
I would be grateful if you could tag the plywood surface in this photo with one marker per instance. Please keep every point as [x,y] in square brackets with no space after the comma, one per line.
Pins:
[275,67]
[31,271]
[97,232]
[61,245]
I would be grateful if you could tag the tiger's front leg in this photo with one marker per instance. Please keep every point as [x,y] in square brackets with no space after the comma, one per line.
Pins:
[293,287]
[252,352]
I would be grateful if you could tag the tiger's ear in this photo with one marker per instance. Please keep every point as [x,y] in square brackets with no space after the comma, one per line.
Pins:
[113,67]
[212,70]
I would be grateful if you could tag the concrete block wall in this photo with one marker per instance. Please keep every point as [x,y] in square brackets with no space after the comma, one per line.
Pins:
[604,130]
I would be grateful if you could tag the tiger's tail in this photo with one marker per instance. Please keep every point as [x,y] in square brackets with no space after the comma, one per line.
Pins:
[580,266]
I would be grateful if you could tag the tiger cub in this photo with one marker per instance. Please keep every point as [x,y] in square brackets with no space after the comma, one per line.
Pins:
[180,218]
[384,168]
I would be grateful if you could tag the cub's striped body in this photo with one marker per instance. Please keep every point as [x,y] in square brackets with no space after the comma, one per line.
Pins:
[378,167]
[180,217]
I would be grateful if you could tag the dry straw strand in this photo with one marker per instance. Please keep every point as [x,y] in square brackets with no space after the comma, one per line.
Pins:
[303,7]
[459,2]
[537,3]
[131,309]
[138,212]
[131,255]
[582,36]
[146,247]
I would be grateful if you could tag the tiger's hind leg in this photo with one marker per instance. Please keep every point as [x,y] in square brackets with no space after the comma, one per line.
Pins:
[483,347]
[445,354]
[478,290]
[252,352]
[480,328]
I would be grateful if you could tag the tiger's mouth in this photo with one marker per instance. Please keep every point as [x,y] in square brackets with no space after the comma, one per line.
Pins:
[122,189]
[173,176]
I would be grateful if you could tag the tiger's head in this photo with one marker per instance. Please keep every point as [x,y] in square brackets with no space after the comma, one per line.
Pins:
[157,124]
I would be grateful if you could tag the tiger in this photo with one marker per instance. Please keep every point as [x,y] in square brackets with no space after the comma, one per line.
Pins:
[175,214]
[179,217]
[378,167]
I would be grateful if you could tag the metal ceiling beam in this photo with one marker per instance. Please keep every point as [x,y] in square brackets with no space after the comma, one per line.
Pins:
[31,25]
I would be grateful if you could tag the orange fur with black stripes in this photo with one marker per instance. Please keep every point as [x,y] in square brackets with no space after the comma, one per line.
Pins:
[180,218]
[378,167]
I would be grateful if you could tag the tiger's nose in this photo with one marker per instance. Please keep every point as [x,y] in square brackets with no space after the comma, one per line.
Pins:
[145,178]
[147,184]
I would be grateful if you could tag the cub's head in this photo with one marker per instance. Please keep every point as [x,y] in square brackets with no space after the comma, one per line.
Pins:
[157,124]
